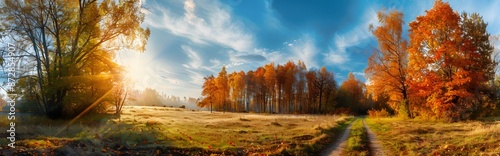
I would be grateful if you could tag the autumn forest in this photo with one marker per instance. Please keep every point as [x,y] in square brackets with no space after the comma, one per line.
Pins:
[446,70]
[187,77]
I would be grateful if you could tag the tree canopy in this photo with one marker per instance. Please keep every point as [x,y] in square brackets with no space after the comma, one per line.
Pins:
[72,46]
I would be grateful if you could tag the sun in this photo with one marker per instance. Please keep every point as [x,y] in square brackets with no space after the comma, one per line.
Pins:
[135,72]
[136,69]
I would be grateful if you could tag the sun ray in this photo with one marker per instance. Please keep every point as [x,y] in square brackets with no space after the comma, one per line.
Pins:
[136,67]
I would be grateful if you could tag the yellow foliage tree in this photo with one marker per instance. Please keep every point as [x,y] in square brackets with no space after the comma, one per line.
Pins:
[387,66]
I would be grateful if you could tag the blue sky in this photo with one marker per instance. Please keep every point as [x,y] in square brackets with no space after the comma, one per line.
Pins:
[191,39]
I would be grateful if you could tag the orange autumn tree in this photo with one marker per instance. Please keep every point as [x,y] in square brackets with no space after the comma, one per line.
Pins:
[289,84]
[387,66]
[270,82]
[223,88]
[237,84]
[352,94]
[444,64]
[209,92]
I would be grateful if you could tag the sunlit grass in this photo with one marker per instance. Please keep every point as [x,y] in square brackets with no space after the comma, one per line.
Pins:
[160,127]
[416,137]
[257,133]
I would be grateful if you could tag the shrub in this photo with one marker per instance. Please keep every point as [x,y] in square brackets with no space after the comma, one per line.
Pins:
[342,111]
[378,113]
[403,112]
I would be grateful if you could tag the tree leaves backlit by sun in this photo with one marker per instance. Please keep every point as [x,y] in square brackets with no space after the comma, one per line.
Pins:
[73,45]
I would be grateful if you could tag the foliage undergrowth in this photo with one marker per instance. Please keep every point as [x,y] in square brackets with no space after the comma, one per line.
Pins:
[378,113]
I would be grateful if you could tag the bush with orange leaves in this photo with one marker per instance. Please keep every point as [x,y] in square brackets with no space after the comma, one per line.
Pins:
[378,113]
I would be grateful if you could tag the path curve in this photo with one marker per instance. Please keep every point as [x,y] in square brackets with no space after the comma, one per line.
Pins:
[338,146]
[375,147]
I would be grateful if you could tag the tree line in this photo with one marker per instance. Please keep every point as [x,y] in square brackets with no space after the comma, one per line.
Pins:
[151,97]
[288,88]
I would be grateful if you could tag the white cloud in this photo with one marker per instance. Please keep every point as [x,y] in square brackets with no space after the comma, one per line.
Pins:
[203,22]
[271,56]
[216,62]
[304,49]
[337,54]
[340,76]
[196,77]
[189,7]
[234,64]
[271,17]
[195,60]
[359,74]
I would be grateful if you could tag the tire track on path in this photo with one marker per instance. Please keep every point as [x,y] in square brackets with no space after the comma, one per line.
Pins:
[338,146]
[375,147]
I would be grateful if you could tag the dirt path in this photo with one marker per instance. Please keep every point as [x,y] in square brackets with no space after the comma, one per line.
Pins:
[338,146]
[375,147]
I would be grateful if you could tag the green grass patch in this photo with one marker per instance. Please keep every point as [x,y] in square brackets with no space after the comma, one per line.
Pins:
[357,143]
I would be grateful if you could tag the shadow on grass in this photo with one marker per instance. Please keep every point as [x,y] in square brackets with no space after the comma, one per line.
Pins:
[142,135]
[91,135]
[98,134]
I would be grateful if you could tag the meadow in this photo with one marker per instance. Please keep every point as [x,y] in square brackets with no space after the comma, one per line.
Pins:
[142,130]
[424,137]
[177,131]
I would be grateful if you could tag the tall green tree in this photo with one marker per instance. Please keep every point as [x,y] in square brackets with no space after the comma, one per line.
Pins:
[480,52]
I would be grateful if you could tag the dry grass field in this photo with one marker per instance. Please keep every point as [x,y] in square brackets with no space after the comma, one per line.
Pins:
[159,130]
[422,137]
